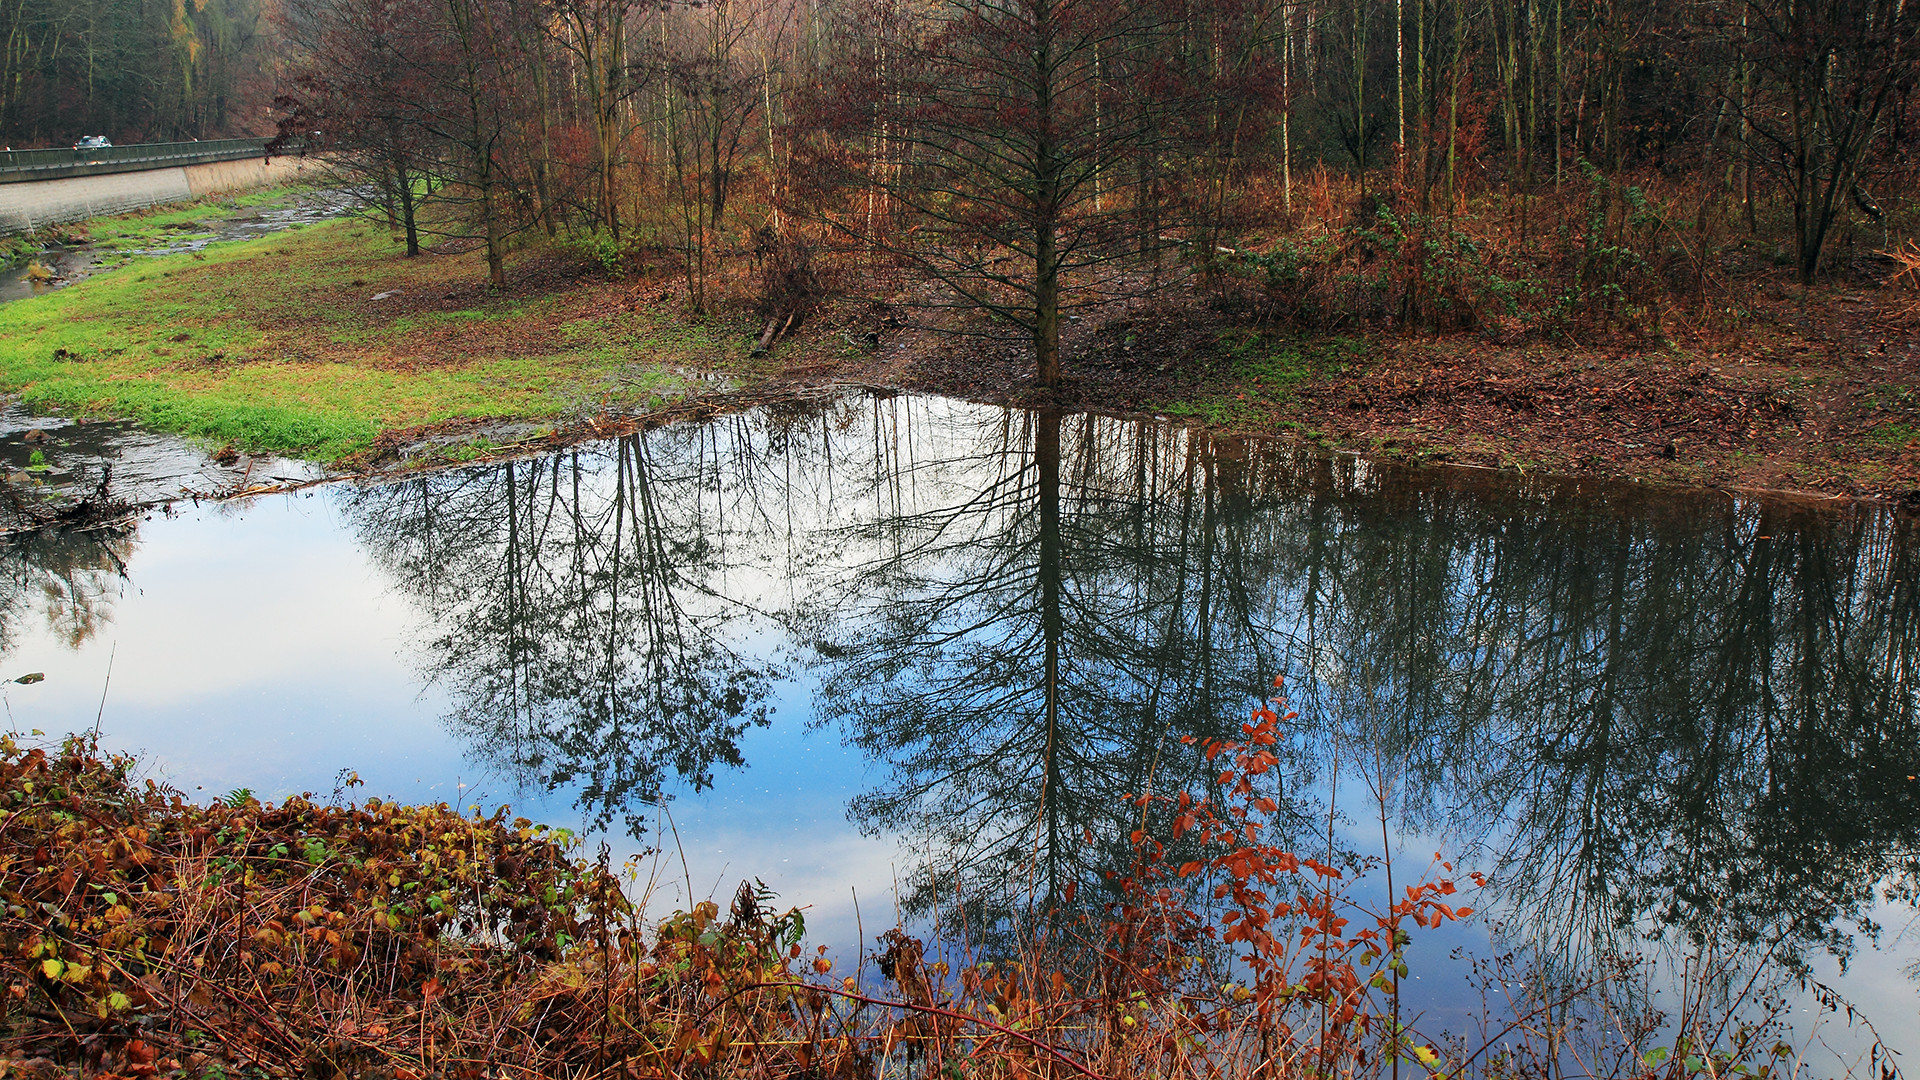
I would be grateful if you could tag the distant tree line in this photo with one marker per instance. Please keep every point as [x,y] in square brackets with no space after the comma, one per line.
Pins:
[1034,154]
[133,70]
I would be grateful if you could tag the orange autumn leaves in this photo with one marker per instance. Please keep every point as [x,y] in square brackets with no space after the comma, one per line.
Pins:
[1297,922]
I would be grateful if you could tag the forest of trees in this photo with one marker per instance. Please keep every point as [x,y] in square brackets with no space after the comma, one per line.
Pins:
[1470,161]
[1523,160]
[133,70]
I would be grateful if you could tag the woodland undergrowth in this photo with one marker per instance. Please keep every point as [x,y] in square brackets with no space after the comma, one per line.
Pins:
[148,935]
[1597,257]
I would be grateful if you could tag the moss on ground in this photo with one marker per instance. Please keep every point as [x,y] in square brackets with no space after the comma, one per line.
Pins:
[1264,369]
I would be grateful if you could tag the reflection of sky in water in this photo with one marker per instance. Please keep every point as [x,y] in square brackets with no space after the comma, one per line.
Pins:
[260,645]
[254,646]
[250,647]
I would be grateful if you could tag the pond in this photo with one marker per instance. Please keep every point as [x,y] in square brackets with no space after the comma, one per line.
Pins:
[881,651]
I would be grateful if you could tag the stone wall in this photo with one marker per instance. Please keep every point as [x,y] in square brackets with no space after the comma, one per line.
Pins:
[35,204]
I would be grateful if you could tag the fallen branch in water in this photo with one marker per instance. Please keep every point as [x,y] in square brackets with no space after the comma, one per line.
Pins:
[95,511]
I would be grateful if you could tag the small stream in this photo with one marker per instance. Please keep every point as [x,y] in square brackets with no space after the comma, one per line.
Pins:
[58,266]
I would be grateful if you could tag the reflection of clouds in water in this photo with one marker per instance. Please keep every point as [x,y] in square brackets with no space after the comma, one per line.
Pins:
[307,610]
[252,649]
[824,876]
[1881,978]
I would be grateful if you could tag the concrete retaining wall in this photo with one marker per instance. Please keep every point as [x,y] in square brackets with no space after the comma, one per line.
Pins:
[36,204]
[245,175]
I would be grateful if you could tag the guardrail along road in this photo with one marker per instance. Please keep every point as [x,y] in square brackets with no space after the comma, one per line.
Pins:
[19,165]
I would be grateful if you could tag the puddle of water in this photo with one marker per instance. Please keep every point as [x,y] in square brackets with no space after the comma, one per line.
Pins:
[54,268]
[62,456]
[874,646]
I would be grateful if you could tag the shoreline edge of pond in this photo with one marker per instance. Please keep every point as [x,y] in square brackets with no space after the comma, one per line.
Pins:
[322,342]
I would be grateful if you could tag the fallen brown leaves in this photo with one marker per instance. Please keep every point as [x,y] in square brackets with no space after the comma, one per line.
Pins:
[144,933]
[1655,407]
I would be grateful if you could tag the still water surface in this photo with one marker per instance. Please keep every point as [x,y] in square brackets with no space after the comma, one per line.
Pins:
[827,632]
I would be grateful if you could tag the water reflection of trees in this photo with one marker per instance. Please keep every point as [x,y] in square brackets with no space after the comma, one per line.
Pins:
[66,579]
[1738,695]
[1649,711]
[577,623]
[1683,710]
[1027,644]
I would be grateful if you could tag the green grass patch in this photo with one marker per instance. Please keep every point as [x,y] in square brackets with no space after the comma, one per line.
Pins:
[1263,370]
[1897,436]
[275,344]
[15,249]
[1276,363]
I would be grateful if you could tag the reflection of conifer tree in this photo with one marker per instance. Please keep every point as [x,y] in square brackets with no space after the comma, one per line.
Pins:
[1022,659]
[1053,787]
